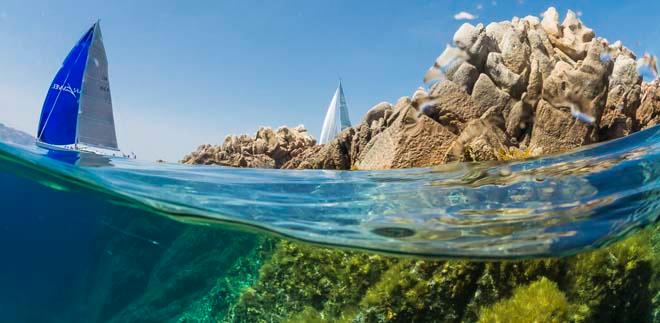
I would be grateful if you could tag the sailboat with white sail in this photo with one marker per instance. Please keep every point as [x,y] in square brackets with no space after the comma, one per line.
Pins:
[77,112]
[336,119]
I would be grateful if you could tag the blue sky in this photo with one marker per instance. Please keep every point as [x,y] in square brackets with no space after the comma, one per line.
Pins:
[186,73]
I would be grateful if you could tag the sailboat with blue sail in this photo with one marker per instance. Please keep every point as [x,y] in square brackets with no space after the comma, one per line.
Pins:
[77,112]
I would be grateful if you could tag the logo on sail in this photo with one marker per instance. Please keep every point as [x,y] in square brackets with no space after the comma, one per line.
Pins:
[67,88]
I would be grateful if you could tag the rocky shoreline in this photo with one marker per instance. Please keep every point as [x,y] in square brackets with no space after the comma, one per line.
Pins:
[524,87]
[514,92]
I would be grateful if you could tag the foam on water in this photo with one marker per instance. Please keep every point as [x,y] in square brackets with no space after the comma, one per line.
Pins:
[549,206]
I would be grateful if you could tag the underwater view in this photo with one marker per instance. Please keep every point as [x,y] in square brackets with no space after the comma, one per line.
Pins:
[519,181]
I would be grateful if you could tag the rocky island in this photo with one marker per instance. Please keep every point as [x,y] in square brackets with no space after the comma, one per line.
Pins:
[514,95]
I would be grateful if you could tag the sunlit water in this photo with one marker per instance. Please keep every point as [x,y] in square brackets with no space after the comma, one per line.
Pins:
[76,225]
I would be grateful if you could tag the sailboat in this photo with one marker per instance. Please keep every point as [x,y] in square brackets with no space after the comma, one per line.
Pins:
[336,119]
[77,112]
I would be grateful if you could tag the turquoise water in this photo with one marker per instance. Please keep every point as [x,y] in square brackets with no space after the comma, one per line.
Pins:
[88,238]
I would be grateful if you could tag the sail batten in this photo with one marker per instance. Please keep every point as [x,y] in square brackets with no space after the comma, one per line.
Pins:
[336,118]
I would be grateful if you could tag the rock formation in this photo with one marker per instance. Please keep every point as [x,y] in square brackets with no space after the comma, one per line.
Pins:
[530,85]
[267,149]
[519,87]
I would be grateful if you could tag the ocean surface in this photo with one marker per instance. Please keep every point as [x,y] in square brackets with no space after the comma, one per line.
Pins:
[88,238]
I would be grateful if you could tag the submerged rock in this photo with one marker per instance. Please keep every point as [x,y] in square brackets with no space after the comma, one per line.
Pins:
[302,283]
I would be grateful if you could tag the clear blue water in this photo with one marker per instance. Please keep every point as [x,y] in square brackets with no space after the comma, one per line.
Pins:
[73,225]
[550,206]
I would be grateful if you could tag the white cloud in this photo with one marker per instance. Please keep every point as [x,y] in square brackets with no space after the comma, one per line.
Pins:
[463,15]
[479,6]
[579,13]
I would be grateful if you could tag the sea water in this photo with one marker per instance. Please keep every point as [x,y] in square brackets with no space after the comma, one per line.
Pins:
[87,238]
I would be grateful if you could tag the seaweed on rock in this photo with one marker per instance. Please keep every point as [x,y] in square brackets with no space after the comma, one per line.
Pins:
[312,284]
[299,276]
[541,301]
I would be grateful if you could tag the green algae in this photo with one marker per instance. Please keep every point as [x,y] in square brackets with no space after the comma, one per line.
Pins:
[298,277]
[541,301]
[302,283]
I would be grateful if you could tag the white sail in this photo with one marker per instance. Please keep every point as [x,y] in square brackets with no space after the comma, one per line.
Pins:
[96,124]
[336,119]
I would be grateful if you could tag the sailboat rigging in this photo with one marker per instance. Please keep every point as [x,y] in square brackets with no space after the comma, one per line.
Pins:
[77,113]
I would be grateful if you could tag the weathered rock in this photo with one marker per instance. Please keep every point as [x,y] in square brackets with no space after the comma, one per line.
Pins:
[496,30]
[515,50]
[419,94]
[550,23]
[466,36]
[519,120]
[474,41]
[534,84]
[450,105]
[557,131]
[503,77]
[413,140]
[377,112]
[487,95]
[267,149]
[648,114]
[518,79]
[481,140]
[333,155]
[541,50]
[575,38]
[583,87]
[465,76]
[623,99]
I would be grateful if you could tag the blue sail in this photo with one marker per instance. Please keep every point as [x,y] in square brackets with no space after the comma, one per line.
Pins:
[59,114]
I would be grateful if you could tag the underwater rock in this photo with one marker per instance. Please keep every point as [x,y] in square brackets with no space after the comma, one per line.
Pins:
[541,301]
[302,282]
[267,149]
